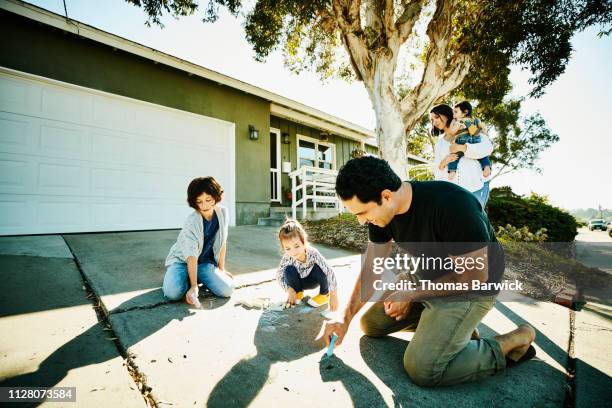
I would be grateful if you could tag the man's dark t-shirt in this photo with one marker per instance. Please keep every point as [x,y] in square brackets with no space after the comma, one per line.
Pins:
[443,220]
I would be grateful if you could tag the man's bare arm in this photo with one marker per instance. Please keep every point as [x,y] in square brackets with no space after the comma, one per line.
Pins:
[365,279]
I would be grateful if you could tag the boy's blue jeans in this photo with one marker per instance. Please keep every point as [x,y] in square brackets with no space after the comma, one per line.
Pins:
[315,278]
[463,139]
[176,280]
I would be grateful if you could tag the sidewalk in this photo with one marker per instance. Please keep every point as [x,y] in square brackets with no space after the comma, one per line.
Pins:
[226,355]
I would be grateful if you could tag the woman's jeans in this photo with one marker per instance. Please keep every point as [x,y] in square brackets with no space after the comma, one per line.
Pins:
[315,278]
[176,280]
[482,195]
[441,351]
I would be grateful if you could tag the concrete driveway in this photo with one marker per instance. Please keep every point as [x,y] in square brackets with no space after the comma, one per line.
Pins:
[128,346]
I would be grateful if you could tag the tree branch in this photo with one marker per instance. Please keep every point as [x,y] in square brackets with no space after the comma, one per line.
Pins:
[374,24]
[388,19]
[506,164]
[406,21]
[354,13]
[437,80]
[499,173]
[435,64]
[352,37]
[341,13]
[454,78]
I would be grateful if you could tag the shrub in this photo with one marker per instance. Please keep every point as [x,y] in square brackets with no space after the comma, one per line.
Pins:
[533,212]
[511,233]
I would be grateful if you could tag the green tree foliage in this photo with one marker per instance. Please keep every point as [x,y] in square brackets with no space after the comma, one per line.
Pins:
[420,141]
[464,45]
[535,34]
[534,212]
[519,141]
[532,34]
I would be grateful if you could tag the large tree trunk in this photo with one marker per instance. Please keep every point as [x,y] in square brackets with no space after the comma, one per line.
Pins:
[390,130]
[373,50]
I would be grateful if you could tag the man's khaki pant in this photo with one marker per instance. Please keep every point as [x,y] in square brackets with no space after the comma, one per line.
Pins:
[441,352]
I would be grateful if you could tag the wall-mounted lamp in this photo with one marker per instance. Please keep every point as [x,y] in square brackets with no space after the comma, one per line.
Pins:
[253,133]
[286,138]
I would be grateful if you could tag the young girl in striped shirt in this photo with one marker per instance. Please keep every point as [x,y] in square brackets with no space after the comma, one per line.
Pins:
[303,267]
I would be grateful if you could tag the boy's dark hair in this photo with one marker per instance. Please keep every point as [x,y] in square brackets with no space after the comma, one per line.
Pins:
[465,107]
[201,185]
[442,110]
[366,177]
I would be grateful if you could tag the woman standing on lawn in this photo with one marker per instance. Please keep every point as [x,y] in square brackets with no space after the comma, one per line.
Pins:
[198,256]
[469,170]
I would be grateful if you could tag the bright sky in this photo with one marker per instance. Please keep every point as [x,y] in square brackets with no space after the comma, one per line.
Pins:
[578,106]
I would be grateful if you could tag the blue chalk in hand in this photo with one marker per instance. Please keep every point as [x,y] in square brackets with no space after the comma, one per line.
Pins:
[332,343]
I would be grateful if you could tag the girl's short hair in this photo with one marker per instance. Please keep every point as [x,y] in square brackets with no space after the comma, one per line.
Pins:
[201,185]
[465,107]
[442,110]
[291,228]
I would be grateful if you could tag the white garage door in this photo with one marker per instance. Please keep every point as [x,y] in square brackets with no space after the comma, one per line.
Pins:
[74,159]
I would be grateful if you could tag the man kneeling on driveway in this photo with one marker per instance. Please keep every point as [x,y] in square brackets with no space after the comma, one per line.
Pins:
[445,348]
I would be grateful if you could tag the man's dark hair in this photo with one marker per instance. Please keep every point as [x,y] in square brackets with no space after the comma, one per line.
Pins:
[201,185]
[465,107]
[366,177]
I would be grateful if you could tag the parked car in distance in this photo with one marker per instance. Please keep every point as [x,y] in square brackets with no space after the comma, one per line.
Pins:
[597,224]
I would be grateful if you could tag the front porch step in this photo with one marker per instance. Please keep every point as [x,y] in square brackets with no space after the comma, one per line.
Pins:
[270,222]
[276,218]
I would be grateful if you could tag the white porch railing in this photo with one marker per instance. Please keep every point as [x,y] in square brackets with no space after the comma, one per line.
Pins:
[316,185]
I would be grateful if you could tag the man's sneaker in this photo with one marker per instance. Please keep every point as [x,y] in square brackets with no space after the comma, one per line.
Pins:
[299,296]
[318,300]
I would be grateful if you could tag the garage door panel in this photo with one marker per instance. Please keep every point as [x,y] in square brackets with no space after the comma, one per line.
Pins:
[110,114]
[22,174]
[14,96]
[76,160]
[63,105]
[61,179]
[61,214]
[63,141]
[111,147]
[14,175]
[14,133]
[108,181]
[142,121]
[147,184]
[108,214]
[15,214]
[148,153]
[78,214]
